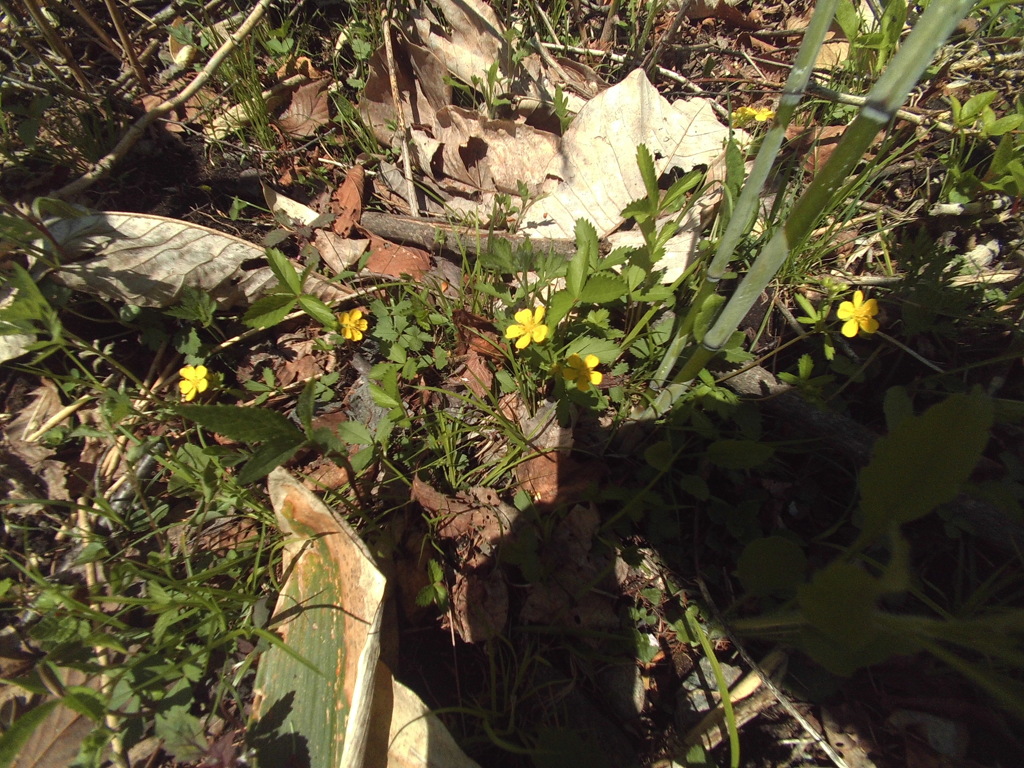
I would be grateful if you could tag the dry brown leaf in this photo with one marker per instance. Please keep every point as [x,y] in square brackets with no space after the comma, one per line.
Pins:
[347,201]
[421,87]
[595,174]
[308,110]
[479,602]
[477,375]
[301,65]
[387,258]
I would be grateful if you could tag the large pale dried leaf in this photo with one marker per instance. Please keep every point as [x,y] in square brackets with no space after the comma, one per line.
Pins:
[421,86]
[308,110]
[338,252]
[404,733]
[329,613]
[681,248]
[595,174]
[293,209]
[488,155]
[149,260]
[12,345]
[476,40]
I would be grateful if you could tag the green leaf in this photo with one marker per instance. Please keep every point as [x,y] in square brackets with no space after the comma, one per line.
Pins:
[840,603]
[676,194]
[284,271]
[923,461]
[307,401]
[269,311]
[382,398]
[897,407]
[319,311]
[601,289]
[586,240]
[606,350]
[706,315]
[247,425]
[354,433]
[848,19]
[271,455]
[739,454]
[646,164]
[558,307]
[771,565]
[15,737]
[586,255]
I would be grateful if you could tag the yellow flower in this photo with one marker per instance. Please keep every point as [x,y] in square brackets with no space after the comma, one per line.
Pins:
[859,315]
[527,328]
[581,371]
[353,324]
[746,115]
[193,381]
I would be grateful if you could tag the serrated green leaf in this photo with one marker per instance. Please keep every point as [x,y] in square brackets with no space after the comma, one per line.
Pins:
[382,398]
[601,289]
[284,271]
[586,241]
[840,603]
[558,307]
[304,406]
[584,258]
[269,311]
[319,311]
[923,461]
[354,433]
[271,455]
[247,425]
[645,163]
[771,565]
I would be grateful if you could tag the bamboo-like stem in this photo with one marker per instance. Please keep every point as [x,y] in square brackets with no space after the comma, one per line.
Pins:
[58,46]
[126,44]
[105,40]
[881,104]
[891,90]
[746,207]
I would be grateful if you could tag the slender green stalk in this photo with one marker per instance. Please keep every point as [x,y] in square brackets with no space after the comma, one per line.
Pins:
[891,90]
[746,206]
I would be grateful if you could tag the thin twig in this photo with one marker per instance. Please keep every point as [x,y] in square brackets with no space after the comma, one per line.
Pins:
[783,699]
[105,40]
[652,57]
[668,74]
[126,44]
[410,187]
[58,46]
[102,167]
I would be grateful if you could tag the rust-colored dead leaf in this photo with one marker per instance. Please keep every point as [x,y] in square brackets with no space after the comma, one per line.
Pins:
[477,375]
[300,65]
[308,110]
[475,522]
[387,258]
[477,334]
[479,603]
[347,201]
